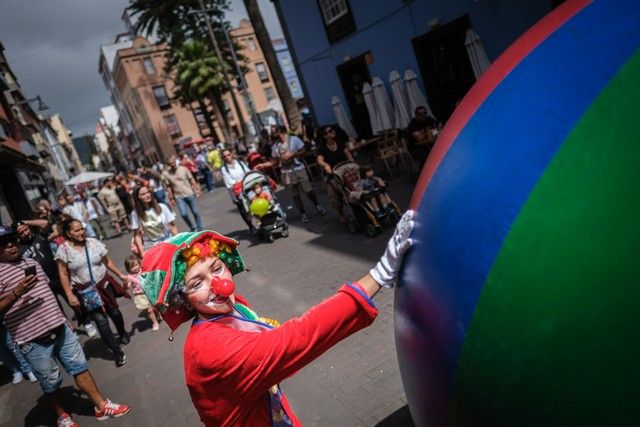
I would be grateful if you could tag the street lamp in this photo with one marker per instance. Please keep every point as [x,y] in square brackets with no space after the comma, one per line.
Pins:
[207,20]
[257,124]
[41,105]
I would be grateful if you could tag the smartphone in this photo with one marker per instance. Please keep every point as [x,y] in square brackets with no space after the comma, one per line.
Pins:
[30,271]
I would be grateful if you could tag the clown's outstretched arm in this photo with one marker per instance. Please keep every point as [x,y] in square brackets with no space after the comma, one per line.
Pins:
[269,357]
[385,272]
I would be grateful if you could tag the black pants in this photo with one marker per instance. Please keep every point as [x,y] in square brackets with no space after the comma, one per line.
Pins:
[246,217]
[102,323]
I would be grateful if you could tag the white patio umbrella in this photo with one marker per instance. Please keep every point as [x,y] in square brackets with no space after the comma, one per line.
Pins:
[341,117]
[477,55]
[400,102]
[88,177]
[372,108]
[415,95]
[385,108]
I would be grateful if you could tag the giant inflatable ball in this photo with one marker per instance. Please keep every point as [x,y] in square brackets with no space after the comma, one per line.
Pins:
[519,303]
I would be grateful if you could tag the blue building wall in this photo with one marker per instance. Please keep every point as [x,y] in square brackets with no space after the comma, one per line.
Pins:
[386,28]
[288,69]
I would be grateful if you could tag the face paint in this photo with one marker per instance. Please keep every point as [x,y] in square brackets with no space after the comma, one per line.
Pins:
[209,288]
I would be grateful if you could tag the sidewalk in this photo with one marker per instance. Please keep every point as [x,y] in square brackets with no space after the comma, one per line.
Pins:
[356,383]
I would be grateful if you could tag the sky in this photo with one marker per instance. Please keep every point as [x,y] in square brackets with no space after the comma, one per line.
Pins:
[53,48]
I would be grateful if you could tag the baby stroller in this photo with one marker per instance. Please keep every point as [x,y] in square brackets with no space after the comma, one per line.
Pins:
[345,176]
[274,222]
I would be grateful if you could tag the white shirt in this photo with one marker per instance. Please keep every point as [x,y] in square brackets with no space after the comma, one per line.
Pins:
[291,145]
[77,212]
[152,235]
[91,204]
[232,174]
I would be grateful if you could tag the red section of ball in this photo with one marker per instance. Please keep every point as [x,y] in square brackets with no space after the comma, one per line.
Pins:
[222,287]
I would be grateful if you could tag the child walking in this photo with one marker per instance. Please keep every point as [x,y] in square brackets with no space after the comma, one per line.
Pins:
[132,264]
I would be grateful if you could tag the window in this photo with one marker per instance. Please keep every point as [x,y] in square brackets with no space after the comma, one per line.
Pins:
[337,17]
[200,118]
[172,125]
[269,93]
[332,10]
[227,108]
[161,97]
[287,65]
[262,72]
[148,66]
[251,43]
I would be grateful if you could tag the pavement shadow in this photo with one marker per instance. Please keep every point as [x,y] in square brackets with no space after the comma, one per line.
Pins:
[401,417]
[140,325]
[96,349]
[5,376]
[71,399]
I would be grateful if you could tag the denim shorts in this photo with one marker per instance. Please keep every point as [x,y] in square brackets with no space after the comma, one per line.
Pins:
[42,356]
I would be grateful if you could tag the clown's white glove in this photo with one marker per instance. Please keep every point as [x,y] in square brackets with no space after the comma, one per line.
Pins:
[386,270]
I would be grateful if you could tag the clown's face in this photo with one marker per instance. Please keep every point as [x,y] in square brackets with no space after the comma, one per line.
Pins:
[200,295]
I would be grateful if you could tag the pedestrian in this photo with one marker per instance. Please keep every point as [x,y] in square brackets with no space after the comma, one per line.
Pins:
[94,212]
[82,264]
[214,157]
[152,222]
[132,264]
[204,169]
[122,188]
[290,149]
[110,200]
[41,332]
[73,206]
[12,358]
[182,190]
[234,360]
[233,172]
[332,151]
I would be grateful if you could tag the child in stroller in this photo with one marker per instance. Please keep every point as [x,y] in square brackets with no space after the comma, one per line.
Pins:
[369,202]
[374,194]
[256,185]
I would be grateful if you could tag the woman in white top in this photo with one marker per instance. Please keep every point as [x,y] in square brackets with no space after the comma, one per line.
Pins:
[152,222]
[83,265]
[232,173]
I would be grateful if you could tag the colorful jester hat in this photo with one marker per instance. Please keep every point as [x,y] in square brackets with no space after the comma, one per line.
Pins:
[165,264]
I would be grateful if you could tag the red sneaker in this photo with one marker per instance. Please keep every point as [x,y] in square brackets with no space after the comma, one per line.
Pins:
[65,420]
[111,410]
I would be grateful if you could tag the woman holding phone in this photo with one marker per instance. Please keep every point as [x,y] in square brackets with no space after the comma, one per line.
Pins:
[84,265]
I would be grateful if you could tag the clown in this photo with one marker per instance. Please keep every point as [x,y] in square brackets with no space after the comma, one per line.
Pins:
[234,359]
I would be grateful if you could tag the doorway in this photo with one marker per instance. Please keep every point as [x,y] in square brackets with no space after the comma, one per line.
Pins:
[445,66]
[353,74]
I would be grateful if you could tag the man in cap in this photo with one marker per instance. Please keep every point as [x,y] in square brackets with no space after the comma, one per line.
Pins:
[41,332]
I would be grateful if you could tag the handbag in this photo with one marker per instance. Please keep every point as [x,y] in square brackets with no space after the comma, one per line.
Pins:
[91,299]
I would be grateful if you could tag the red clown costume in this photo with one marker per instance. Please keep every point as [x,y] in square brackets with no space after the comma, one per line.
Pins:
[234,362]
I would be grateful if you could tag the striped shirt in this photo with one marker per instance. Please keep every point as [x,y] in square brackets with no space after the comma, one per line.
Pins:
[36,311]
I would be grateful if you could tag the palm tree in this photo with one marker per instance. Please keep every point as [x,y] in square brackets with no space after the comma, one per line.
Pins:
[289,104]
[199,75]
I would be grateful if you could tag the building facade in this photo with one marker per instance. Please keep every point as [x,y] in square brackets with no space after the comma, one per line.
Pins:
[65,139]
[130,141]
[340,44]
[147,91]
[24,178]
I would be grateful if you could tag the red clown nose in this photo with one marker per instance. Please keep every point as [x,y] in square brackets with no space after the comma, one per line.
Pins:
[222,287]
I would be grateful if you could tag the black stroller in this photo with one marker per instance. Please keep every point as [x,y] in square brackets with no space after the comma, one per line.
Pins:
[274,222]
[345,177]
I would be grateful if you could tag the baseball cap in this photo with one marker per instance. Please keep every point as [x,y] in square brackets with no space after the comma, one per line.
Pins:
[6,230]
[7,234]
